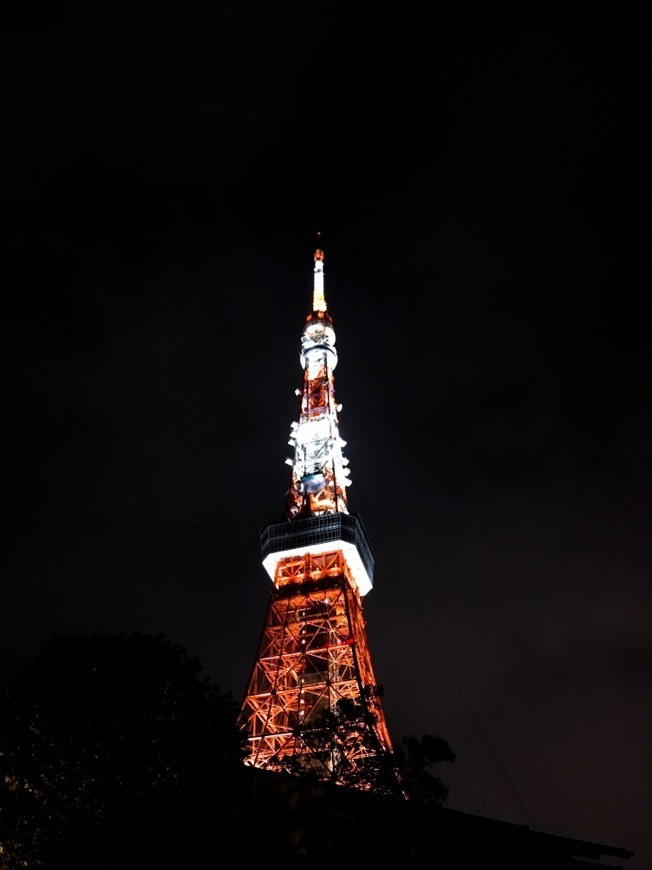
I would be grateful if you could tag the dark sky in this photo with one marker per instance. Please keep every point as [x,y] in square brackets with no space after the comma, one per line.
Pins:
[481,182]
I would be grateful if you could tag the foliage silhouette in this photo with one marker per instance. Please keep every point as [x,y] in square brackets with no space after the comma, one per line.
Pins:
[115,752]
[414,758]
[341,747]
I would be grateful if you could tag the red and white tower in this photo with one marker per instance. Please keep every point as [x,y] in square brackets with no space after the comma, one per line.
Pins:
[312,702]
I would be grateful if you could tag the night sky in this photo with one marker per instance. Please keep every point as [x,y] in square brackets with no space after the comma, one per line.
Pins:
[481,182]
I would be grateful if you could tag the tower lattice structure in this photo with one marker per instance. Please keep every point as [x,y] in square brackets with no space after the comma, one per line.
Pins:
[312,702]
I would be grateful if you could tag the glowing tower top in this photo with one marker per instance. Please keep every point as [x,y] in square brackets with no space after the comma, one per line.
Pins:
[319,470]
[320,473]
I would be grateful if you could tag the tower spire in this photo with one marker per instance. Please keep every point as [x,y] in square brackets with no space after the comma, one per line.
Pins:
[312,702]
[318,298]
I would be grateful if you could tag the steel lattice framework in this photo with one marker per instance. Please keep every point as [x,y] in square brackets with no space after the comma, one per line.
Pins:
[313,654]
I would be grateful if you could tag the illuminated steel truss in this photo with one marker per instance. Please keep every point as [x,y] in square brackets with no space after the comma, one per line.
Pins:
[313,655]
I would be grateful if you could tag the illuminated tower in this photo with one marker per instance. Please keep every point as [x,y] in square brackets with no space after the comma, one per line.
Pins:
[312,702]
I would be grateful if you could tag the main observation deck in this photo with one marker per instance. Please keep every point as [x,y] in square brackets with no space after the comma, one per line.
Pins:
[337,531]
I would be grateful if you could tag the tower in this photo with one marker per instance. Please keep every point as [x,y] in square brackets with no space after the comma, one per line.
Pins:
[312,702]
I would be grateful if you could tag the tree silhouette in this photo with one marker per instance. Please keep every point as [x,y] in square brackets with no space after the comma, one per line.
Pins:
[341,747]
[414,758]
[114,752]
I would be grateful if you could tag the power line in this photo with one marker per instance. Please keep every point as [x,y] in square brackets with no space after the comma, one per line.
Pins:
[396,570]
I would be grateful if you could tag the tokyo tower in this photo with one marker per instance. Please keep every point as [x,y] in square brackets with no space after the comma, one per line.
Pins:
[312,704]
